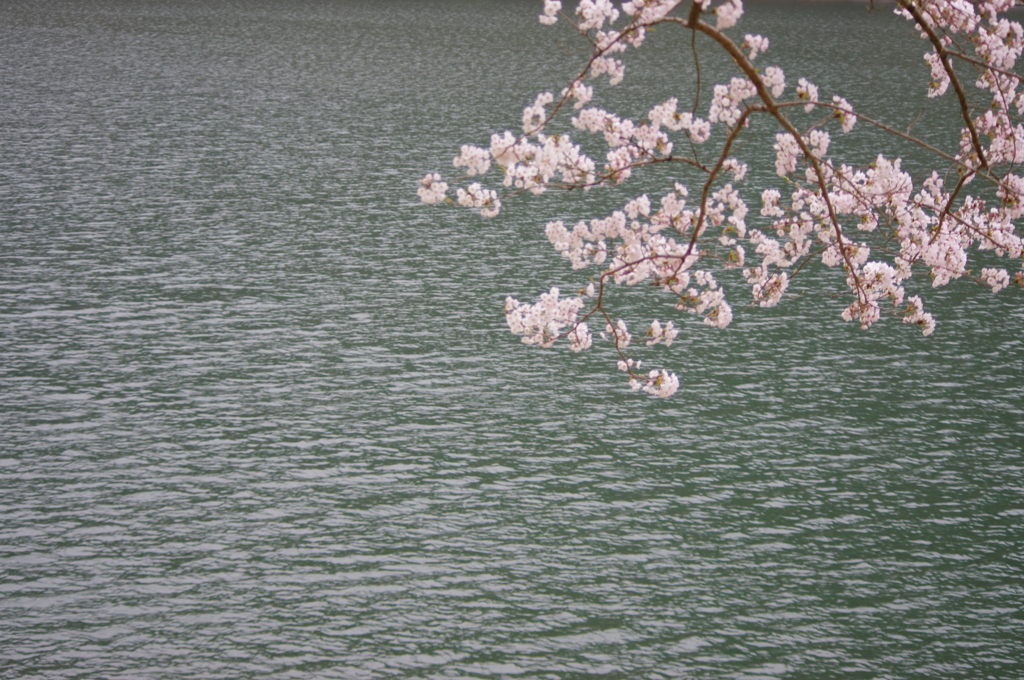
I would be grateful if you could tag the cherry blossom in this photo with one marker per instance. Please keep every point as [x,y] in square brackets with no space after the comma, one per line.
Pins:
[432,189]
[997,278]
[728,14]
[542,323]
[775,80]
[755,45]
[880,232]
[551,10]
[476,160]
[658,383]
[807,92]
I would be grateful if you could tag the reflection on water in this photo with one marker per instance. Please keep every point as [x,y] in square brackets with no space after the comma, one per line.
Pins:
[260,414]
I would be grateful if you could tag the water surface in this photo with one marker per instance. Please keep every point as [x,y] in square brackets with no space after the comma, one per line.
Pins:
[260,415]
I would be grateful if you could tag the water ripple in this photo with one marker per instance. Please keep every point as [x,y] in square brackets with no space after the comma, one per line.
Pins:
[260,414]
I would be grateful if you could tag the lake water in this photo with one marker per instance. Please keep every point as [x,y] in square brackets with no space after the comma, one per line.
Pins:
[260,415]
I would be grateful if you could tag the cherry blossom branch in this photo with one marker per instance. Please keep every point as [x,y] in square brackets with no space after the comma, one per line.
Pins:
[762,91]
[932,228]
[940,49]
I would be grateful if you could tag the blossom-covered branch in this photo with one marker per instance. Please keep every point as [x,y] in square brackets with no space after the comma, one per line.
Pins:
[872,223]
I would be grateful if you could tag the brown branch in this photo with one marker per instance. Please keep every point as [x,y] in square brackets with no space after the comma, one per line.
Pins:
[984,65]
[940,49]
[771,107]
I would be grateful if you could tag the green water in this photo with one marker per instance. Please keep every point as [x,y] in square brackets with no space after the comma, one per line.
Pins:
[260,415]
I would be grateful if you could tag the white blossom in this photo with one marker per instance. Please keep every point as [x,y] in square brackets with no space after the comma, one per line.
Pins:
[551,10]
[728,14]
[432,188]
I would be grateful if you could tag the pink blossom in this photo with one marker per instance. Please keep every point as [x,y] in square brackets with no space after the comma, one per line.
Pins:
[542,323]
[844,112]
[661,383]
[728,14]
[579,91]
[755,44]
[476,196]
[786,153]
[580,338]
[476,160]
[551,10]
[940,79]
[808,92]
[432,189]
[657,333]
[594,13]
[775,80]
[739,170]
[997,278]
[915,314]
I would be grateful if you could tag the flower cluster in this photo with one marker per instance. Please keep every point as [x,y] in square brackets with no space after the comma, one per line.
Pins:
[551,10]
[728,14]
[658,383]
[542,323]
[844,112]
[997,278]
[656,333]
[645,12]
[432,188]
[916,315]
[476,160]
[775,80]
[725,103]
[807,92]
[476,196]
[755,45]
[666,115]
